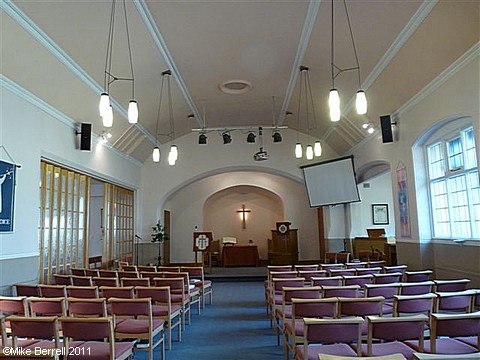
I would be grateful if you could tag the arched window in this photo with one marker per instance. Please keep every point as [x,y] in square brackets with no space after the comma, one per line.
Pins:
[453,182]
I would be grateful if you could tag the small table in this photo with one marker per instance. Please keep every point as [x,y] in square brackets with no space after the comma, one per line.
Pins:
[239,255]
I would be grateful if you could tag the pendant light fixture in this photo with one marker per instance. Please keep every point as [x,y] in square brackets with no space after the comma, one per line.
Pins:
[105,107]
[307,100]
[334,97]
[173,154]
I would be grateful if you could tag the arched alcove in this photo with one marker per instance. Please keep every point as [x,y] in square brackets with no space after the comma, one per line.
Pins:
[223,214]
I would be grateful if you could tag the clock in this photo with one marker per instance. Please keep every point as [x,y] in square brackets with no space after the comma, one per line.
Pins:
[283,227]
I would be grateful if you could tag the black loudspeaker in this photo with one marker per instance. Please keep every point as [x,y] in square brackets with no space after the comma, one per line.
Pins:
[86,137]
[386,124]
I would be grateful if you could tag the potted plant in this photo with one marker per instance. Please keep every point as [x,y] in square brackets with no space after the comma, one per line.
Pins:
[159,236]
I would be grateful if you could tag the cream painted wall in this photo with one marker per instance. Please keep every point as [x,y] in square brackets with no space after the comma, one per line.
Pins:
[454,94]
[29,134]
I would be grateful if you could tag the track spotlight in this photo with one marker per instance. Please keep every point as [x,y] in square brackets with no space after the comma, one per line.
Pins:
[251,137]
[202,139]
[277,137]
[227,138]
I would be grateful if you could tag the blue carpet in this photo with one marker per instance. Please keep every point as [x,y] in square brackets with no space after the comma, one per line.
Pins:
[234,327]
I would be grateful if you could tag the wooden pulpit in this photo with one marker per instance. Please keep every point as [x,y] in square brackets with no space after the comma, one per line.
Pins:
[283,246]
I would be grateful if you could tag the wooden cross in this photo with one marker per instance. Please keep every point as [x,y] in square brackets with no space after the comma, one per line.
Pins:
[244,212]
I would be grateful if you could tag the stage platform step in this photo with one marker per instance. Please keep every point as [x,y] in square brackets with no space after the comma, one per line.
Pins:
[258,273]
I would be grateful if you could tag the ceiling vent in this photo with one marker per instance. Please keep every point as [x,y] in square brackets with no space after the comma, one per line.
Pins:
[235,87]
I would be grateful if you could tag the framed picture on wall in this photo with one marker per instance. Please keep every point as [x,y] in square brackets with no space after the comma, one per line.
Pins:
[380,214]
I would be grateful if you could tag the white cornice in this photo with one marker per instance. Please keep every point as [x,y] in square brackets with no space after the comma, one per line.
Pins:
[24,94]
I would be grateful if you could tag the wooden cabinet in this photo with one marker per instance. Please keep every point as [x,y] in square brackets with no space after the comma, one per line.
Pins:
[283,248]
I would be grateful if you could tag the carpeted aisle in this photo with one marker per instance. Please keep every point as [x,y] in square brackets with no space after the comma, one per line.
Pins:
[234,327]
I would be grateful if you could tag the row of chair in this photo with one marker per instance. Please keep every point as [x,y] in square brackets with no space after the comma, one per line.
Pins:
[131,319]
[450,334]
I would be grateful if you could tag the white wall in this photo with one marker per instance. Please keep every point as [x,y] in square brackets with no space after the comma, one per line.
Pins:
[29,134]
[454,94]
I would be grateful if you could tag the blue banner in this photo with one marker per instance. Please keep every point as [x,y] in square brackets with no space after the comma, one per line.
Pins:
[7,195]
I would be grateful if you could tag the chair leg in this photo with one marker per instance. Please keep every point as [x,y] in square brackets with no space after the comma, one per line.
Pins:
[169,324]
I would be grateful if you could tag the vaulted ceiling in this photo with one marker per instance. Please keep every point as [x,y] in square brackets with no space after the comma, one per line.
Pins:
[56,51]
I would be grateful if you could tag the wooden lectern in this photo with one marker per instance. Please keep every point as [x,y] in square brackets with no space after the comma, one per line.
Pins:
[375,247]
[283,246]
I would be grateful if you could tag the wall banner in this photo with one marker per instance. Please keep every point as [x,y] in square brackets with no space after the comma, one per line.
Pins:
[7,195]
[402,193]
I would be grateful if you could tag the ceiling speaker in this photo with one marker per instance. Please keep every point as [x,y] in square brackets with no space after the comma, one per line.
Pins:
[86,137]
[386,124]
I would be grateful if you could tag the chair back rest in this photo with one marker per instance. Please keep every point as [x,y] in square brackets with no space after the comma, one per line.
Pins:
[122,264]
[311,267]
[158,294]
[356,265]
[369,270]
[81,280]
[107,273]
[328,281]
[417,276]
[47,306]
[13,305]
[351,291]
[195,272]
[279,268]
[61,279]
[394,269]
[308,274]
[413,304]
[360,306]
[27,290]
[145,268]
[331,266]
[314,308]
[388,291]
[282,274]
[53,290]
[279,283]
[93,273]
[34,327]
[454,301]
[416,288]
[105,281]
[87,328]
[177,285]
[387,278]
[151,274]
[88,292]
[135,282]
[129,268]
[128,274]
[455,325]
[306,292]
[376,263]
[131,307]
[77,271]
[451,285]
[360,280]
[169,268]
[80,307]
[327,331]
[124,292]
[340,272]
[396,328]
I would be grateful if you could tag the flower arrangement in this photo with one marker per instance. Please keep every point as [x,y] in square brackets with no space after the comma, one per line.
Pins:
[159,236]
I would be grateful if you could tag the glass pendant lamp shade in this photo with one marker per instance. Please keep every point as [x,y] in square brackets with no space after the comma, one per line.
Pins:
[334,105]
[298,151]
[361,102]
[104,104]
[156,154]
[107,118]
[309,152]
[132,112]
[171,158]
[317,149]
[174,152]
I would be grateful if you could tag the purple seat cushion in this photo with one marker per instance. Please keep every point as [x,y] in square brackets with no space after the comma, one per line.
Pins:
[298,328]
[470,340]
[448,346]
[99,350]
[333,349]
[388,348]
[136,326]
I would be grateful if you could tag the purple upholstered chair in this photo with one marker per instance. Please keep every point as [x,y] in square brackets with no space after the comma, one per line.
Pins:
[388,291]
[40,330]
[451,285]
[394,269]
[387,278]
[351,291]
[460,301]
[413,304]
[417,276]
[393,331]
[360,280]
[329,336]
[328,281]
[446,332]
[362,307]
[369,270]
[27,289]
[416,288]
